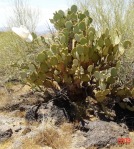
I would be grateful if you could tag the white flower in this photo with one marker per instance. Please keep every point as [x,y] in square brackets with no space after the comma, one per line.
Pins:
[23,32]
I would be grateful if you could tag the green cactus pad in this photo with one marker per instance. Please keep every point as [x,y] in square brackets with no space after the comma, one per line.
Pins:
[50,53]
[63,55]
[127,44]
[41,57]
[23,75]
[69,58]
[115,49]
[95,57]
[86,58]
[33,77]
[85,77]
[81,70]
[87,21]
[79,49]
[31,67]
[82,57]
[23,66]
[83,41]
[69,25]
[42,76]
[107,42]
[81,16]
[101,95]
[77,55]
[77,37]
[61,13]
[44,67]
[76,29]
[74,8]
[54,49]
[58,79]
[110,58]
[102,85]
[86,12]
[132,92]
[67,79]
[62,39]
[57,16]
[118,64]
[65,32]
[75,62]
[39,82]
[102,75]
[121,50]
[121,92]
[107,32]
[91,51]
[91,35]
[86,50]
[56,72]
[110,80]
[92,29]
[117,39]
[113,72]
[97,74]
[90,68]
[53,61]
[73,17]
[105,51]
[82,25]
[51,20]
[100,42]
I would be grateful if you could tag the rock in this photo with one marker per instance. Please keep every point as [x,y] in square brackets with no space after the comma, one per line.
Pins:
[59,111]
[4,135]
[25,131]
[124,116]
[101,134]
[32,113]
[24,107]
[17,130]
[46,147]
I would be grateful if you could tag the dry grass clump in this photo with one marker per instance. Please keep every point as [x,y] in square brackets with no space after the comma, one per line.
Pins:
[67,128]
[55,138]
[30,144]
[4,97]
[10,95]
[6,144]
[52,137]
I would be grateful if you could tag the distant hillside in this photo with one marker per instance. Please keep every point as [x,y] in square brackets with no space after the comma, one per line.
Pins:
[3,29]
[40,30]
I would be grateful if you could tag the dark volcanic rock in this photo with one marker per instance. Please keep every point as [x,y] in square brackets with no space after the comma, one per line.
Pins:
[4,135]
[59,111]
[102,134]
[124,116]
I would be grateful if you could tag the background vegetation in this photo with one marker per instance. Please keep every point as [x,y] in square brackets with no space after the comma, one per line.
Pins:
[12,48]
[116,15]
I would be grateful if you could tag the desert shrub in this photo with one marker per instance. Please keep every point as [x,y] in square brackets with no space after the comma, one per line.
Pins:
[80,59]
[14,51]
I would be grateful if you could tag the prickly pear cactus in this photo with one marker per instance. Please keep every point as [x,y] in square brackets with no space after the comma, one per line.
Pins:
[79,56]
